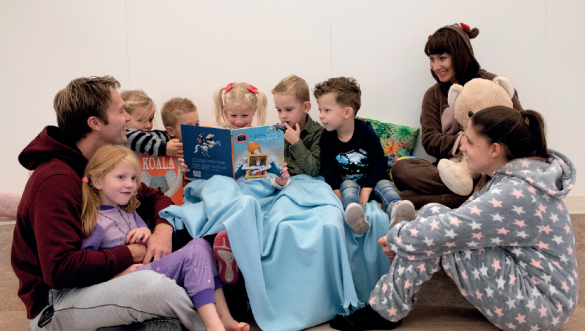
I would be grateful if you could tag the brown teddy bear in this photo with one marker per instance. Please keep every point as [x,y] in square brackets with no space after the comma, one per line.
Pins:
[464,101]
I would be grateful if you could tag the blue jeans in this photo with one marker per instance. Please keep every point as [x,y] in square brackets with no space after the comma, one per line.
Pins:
[384,189]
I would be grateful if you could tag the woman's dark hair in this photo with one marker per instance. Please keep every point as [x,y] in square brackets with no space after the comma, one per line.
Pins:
[448,41]
[521,133]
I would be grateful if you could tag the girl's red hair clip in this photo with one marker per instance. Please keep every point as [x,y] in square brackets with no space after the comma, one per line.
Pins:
[229,87]
[252,89]
[85,180]
[465,27]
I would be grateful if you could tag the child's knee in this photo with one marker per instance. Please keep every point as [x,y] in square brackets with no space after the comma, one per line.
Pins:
[386,187]
[199,243]
[431,209]
[349,184]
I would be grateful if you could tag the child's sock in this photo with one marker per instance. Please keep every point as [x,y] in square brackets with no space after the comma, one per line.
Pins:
[356,218]
[363,319]
[403,210]
[228,270]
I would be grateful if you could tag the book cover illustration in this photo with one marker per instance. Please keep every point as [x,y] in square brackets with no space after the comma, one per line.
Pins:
[243,154]
[258,152]
[256,166]
[207,151]
[163,173]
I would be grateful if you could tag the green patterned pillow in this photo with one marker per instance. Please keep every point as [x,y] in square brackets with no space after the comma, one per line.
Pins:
[396,140]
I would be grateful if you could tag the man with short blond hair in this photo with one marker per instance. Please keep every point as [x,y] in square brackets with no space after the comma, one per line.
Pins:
[61,285]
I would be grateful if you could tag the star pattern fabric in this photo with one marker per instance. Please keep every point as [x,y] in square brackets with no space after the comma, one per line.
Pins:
[510,249]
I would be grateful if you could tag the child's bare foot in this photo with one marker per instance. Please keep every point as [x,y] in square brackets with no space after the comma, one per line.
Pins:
[231,324]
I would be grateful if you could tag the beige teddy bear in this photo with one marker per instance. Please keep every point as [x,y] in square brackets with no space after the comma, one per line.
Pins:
[466,100]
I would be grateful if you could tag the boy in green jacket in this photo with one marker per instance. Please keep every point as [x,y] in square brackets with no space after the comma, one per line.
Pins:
[301,146]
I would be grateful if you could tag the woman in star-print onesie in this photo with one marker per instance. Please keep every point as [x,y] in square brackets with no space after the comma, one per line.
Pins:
[510,248]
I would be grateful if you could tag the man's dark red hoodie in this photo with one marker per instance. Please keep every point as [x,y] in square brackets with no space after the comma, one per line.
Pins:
[46,250]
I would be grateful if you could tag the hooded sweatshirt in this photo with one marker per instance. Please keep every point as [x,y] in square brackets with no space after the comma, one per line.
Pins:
[519,211]
[47,238]
[436,143]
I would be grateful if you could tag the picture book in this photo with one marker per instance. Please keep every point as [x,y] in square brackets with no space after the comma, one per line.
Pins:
[163,173]
[243,154]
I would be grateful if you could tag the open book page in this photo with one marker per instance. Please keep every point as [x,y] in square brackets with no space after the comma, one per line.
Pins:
[258,152]
[244,154]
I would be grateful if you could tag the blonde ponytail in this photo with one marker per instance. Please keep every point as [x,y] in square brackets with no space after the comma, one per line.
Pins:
[219,108]
[261,109]
[89,211]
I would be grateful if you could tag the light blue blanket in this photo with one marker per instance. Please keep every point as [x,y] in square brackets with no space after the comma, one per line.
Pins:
[302,264]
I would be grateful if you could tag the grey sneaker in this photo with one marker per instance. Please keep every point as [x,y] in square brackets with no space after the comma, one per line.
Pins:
[356,218]
[403,210]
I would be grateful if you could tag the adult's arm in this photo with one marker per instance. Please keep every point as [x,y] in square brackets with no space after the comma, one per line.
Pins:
[152,201]
[498,217]
[435,142]
[55,217]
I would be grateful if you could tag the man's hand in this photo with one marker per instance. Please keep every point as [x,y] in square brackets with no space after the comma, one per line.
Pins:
[365,195]
[129,270]
[138,252]
[284,176]
[175,148]
[292,135]
[160,243]
[389,253]
[138,235]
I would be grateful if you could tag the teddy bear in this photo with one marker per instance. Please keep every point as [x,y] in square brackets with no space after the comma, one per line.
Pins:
[464,101]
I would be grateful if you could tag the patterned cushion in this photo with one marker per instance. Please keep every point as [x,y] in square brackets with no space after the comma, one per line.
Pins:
[397,140]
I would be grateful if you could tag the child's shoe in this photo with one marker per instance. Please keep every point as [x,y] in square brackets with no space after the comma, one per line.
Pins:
[363,319]
[403,210]
[356,218]
[228,270]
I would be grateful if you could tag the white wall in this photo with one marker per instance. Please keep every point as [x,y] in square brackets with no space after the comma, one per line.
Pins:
[188,49]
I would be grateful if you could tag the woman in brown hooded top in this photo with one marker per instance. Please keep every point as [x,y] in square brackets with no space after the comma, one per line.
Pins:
[451,61]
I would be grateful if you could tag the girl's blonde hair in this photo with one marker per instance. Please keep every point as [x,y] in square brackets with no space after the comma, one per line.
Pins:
[105,159]
[138,99]
[239,94]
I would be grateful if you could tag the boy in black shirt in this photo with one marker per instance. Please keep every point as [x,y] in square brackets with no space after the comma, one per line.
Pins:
[352,158]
